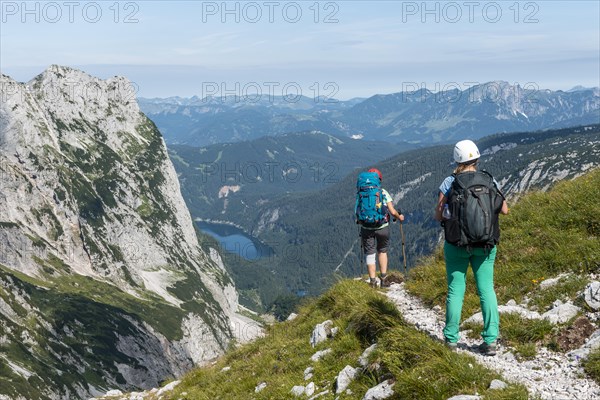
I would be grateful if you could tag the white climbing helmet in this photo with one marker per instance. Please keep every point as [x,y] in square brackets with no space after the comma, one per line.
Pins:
[465,151]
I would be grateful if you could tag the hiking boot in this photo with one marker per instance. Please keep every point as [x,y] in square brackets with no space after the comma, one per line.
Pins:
[488,349]
[384,282]
[373,283]
[451,345]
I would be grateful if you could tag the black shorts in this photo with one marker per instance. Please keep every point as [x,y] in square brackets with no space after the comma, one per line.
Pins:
[375,240]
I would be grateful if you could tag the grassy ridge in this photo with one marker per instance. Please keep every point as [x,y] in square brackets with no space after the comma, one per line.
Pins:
[422,367]
[162,316]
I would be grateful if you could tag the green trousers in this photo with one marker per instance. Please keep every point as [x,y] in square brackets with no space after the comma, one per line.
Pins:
[482,262]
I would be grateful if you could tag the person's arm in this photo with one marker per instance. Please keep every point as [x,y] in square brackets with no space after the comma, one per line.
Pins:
[504,209]
[443,193]
[439,207]
[393,212]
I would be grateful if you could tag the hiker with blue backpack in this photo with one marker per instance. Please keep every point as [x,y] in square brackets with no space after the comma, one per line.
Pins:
[372,210]
[468,206]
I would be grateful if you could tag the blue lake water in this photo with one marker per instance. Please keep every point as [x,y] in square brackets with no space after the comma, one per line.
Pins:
[234,240]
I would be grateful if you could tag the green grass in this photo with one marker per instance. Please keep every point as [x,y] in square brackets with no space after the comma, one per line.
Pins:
[423,368]
[564,289]
[61,325]
[145,209]
[592,365]
[526,351]
[519,330]
[163,317]
[36,241]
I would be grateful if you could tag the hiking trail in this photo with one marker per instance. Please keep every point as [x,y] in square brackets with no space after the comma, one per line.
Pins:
[551,375]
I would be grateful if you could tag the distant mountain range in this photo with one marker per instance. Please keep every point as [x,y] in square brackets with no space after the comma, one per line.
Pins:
[422,116]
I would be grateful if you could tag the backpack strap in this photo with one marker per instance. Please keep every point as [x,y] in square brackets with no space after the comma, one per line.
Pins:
[458,181]
[484,171]
[494,183]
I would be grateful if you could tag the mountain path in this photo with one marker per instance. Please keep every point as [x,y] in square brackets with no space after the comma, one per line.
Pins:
[551,375]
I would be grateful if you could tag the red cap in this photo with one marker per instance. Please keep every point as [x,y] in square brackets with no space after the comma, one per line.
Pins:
[378,172]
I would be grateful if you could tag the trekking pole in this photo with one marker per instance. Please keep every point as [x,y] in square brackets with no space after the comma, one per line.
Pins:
[403,249]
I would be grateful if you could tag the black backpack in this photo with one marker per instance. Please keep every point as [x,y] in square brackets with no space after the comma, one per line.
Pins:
[474,202]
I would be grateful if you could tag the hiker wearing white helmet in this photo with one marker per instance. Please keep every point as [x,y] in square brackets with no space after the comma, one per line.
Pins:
[468,206]
[466,152]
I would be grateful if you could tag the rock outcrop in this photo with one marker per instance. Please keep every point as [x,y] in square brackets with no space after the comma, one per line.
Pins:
[103,283]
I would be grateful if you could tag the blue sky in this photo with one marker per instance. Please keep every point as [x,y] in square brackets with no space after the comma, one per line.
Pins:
[345,48]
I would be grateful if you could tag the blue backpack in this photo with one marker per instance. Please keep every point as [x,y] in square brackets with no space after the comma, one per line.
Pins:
[370,209]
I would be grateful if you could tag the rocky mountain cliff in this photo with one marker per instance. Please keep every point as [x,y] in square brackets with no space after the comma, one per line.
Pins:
[103,283]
